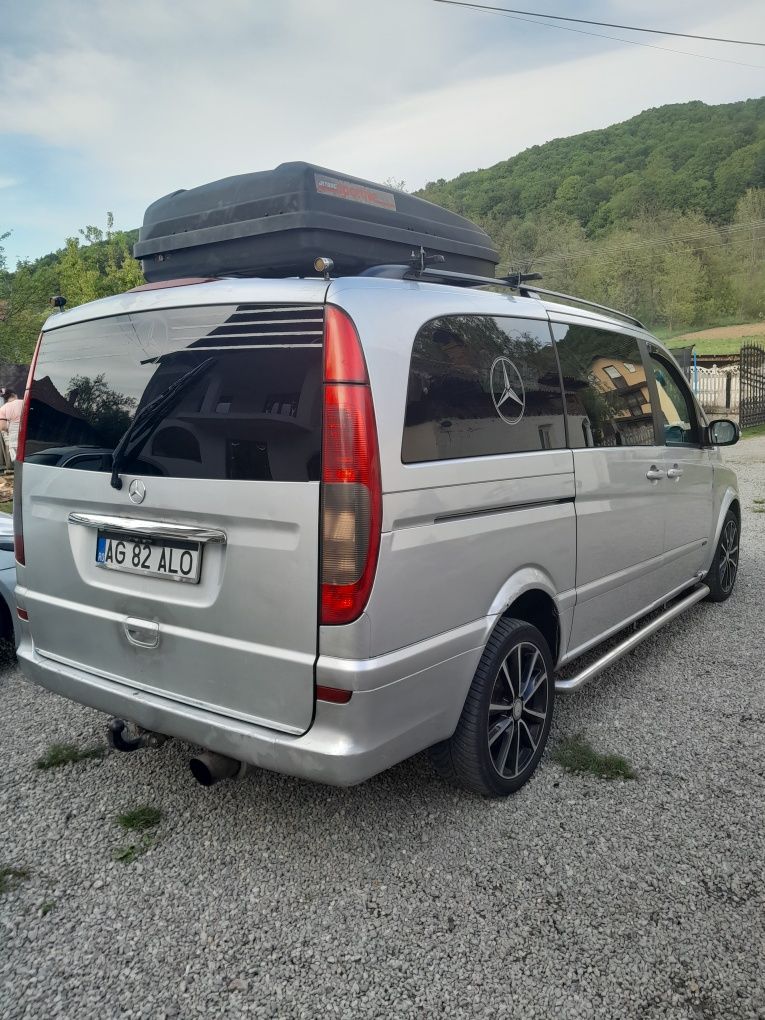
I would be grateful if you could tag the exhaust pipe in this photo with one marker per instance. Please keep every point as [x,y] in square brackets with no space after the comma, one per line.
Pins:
[209,768]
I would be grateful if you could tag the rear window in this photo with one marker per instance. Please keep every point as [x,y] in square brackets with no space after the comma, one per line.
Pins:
[251,412]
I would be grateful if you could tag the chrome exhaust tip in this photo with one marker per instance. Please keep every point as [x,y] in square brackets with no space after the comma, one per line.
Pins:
[209,768]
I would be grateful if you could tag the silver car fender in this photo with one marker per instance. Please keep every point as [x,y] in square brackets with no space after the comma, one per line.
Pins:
[729,496]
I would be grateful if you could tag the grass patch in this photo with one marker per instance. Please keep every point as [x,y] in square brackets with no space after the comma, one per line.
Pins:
[127,854]
[576,755]
[11,877]
[754,430]
[713,345]
[65,754]
[141,819]
[6,506]
[46,907]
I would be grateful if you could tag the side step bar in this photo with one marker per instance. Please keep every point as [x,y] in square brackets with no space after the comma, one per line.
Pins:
[612,656]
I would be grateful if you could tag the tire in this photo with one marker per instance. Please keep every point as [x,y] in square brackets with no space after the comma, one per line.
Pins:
[724,570]
[479,756]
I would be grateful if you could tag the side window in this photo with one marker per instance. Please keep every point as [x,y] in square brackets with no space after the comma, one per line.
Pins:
[676,408]
[482,385]
[607,394]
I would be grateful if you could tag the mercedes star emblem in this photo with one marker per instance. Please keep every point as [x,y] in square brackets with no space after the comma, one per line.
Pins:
[507,391]
[137,491]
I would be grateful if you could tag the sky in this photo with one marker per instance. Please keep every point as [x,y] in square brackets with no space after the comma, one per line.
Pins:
[108,105]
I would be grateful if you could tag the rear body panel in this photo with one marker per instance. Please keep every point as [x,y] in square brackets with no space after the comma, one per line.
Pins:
[225,644]
[236,455]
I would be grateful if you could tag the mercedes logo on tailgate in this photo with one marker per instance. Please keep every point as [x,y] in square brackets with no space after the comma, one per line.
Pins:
[507,391]
[137,491]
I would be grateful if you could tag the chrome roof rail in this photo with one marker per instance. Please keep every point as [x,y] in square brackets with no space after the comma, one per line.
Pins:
[515,281]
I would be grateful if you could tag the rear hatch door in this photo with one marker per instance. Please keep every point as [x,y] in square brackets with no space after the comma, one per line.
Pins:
[198,578]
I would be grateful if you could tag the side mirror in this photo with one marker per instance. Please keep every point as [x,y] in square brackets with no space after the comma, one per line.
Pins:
[723,432]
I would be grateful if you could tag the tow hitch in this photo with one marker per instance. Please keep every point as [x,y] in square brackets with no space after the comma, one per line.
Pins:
[115,730]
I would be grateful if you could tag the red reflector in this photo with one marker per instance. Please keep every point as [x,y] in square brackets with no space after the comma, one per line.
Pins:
[343,357]
[18,548]
[336,695]
[22,614]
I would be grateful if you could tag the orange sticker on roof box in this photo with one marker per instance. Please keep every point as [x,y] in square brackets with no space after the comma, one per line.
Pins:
[354,192]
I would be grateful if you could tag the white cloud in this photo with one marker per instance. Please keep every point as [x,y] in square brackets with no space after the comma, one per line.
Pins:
[157,96]
[445,131]
[8,182]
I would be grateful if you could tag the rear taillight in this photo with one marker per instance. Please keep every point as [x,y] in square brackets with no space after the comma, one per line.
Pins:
[21,444]
[351,503]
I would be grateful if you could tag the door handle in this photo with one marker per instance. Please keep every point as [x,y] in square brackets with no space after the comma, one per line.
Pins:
[654,474]
[143,633]
[675,472]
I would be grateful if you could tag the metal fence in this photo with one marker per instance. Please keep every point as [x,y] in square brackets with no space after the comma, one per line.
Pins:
[752,385]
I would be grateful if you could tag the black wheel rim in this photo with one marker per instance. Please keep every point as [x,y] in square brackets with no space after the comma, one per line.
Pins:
[518,709]
[728,564]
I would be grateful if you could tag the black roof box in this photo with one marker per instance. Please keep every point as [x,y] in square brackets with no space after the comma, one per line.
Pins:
[275,223]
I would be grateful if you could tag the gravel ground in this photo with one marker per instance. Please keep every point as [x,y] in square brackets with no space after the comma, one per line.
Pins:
[273,897]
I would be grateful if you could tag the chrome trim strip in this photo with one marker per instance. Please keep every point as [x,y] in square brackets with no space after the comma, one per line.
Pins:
[150,529]
[616,653]
[505,508]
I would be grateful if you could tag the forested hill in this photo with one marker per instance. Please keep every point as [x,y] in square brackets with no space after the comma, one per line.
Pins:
[663,216]
[687,157]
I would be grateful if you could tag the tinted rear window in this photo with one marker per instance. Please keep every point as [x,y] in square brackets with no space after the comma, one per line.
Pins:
[253,412]
[482,385]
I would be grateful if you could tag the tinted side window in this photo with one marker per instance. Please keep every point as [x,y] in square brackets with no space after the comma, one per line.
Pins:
[607,394]
[482,385]
[676,410]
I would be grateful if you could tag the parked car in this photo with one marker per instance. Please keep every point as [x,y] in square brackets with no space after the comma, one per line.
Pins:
[8,618]
[476,518]
[348,518]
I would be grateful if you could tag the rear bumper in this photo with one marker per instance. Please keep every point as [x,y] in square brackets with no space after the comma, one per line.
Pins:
[346,744]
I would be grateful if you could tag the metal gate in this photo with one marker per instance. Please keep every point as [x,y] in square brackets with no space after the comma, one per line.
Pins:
[752,383]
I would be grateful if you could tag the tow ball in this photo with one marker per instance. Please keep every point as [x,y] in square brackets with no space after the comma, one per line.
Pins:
[115,731]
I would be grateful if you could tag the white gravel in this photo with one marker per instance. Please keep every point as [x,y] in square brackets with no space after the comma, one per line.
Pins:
[273,897]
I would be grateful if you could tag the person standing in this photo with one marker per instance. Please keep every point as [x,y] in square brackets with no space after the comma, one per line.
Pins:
[10,418]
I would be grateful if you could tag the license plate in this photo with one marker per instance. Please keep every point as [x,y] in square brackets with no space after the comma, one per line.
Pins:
[174,560]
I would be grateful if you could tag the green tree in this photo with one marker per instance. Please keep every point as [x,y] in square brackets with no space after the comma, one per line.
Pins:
[679,285]
[94,265]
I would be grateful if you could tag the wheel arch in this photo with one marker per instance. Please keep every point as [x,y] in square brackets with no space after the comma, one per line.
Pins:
[730,501]
[530,596]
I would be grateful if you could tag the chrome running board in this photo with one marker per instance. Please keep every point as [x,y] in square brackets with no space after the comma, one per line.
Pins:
[612,656]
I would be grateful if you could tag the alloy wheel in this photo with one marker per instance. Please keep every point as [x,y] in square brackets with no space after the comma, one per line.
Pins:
[518,709]
[728,562]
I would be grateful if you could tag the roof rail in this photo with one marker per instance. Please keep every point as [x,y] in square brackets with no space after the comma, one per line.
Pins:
[515,281]
[570,299]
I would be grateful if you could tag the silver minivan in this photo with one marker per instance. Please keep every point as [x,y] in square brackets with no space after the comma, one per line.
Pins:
[319,525]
